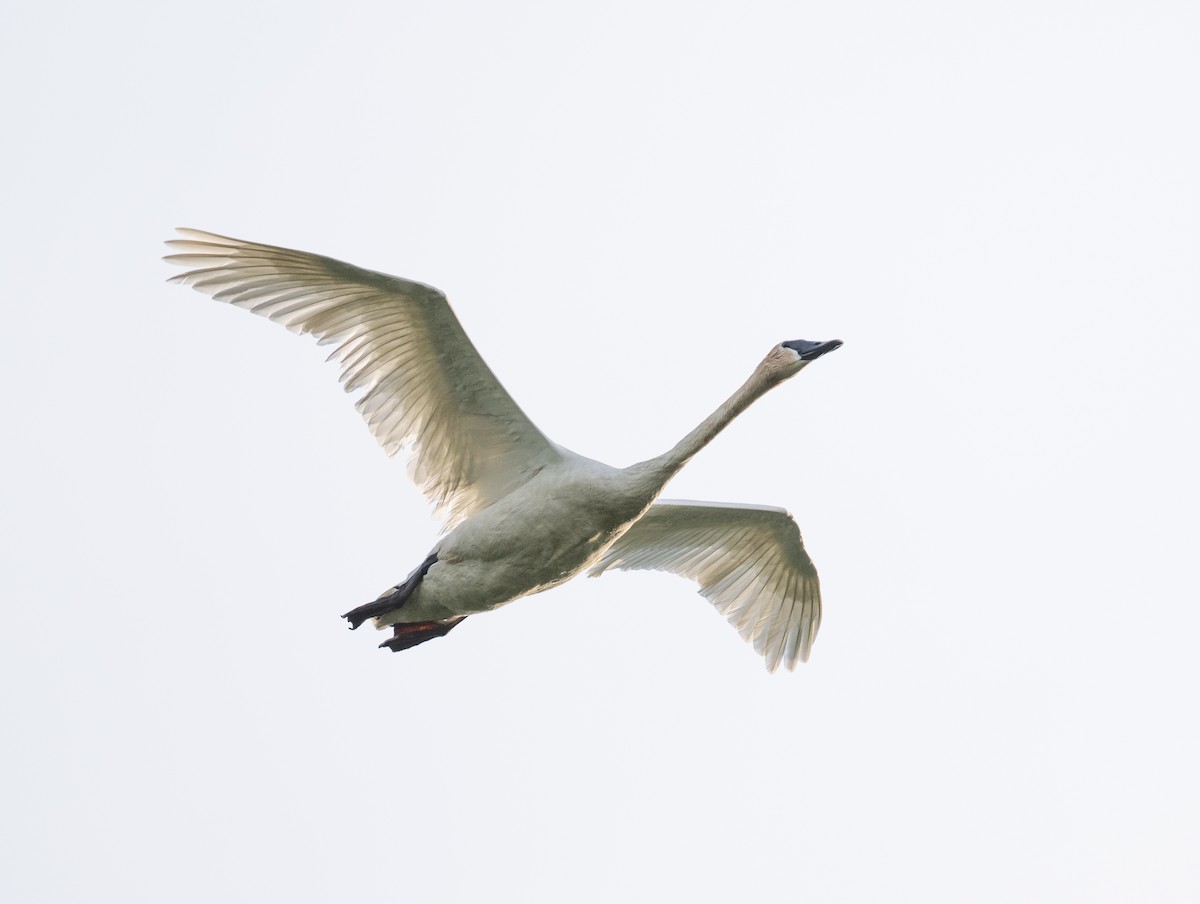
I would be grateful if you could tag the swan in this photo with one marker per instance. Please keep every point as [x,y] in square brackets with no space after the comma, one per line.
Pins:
[522,513]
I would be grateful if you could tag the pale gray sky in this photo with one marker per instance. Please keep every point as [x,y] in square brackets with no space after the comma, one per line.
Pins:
[994,205]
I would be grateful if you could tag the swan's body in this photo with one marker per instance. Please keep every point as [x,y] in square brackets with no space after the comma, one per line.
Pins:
[539,536]
[523,514]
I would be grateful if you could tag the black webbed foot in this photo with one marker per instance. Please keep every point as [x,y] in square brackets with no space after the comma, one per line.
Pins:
[392,599]
[413,633]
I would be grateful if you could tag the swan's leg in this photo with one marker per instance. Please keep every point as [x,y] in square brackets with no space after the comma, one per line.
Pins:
[413,633]
[391,599]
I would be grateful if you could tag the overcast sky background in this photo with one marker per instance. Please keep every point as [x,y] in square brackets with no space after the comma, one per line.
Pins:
[995,205]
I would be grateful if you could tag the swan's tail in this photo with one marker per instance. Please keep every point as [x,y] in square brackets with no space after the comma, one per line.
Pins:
[413,633]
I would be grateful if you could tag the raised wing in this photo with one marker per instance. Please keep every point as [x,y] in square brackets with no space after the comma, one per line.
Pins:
[426,386]
[749,561]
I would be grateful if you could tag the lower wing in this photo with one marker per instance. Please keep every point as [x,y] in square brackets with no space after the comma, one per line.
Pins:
[749,561]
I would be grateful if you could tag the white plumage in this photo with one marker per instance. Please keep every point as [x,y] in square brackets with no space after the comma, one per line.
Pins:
[522,513]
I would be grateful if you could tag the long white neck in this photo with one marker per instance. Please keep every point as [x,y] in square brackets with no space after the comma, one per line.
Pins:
[663,467]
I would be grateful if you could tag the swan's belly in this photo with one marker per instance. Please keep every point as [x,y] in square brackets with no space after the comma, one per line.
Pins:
[538,538]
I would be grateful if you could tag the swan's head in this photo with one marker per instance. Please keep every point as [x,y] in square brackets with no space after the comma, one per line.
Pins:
[787,358]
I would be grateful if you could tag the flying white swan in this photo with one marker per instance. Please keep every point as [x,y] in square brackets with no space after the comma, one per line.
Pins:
[523,514]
